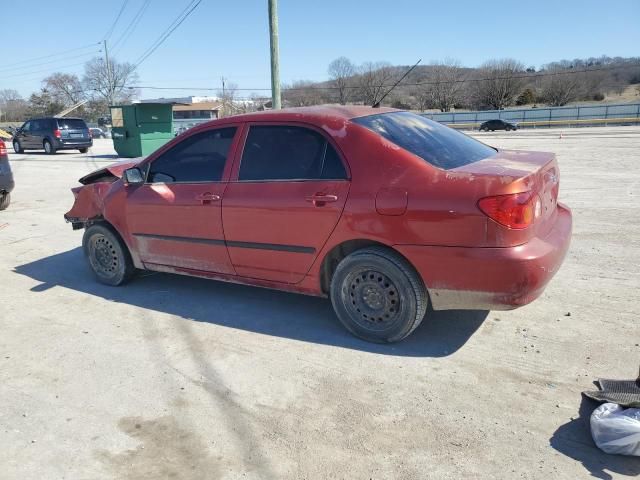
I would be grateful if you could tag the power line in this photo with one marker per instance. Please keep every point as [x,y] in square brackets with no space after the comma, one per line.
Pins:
[115,22]
[92,45]
[175,24]
[131,27]
[41,71]
[48,63]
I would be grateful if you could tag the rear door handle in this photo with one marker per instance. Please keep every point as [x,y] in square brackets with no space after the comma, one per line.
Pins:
[319,200]
[208,198]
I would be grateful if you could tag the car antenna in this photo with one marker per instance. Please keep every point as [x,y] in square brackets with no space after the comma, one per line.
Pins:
[377,104]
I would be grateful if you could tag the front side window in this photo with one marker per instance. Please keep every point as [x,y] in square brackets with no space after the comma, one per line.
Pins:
[27,127]
[198,158]
[285,152]
[435,143]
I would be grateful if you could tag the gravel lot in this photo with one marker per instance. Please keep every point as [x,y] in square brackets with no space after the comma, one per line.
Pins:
[174,377]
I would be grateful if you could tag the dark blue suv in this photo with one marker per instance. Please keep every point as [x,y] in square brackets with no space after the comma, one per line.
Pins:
[53,134]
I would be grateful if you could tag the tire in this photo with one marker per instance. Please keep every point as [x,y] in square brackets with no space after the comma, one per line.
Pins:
[5,200]
[107,255]
[17,147]
[83,150]
[49,148]
[378,296]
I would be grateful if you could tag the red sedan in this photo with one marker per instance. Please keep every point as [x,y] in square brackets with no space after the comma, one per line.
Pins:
[381,210]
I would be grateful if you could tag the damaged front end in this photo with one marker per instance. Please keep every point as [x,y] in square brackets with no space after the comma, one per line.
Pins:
[90,197]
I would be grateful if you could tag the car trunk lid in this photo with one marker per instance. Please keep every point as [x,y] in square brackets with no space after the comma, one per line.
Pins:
[510,172]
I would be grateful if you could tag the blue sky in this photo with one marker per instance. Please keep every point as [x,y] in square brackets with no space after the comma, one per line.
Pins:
[231,39]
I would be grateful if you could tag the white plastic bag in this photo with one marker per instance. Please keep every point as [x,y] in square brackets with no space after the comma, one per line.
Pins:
[616,430]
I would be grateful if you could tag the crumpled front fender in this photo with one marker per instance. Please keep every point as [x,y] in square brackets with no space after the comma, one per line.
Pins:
[89,202]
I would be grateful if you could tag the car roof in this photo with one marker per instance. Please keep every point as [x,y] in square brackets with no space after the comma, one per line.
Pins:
[312,114]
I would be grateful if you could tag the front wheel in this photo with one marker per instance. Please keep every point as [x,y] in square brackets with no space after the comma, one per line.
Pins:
[17,147]
[107,255]
[48,147]
[5,200]
[378,296]
[83,150]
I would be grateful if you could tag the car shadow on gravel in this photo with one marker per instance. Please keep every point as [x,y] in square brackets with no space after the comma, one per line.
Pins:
[574,440]
[260,310]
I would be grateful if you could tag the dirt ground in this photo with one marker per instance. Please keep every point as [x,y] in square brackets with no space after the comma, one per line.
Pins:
[174,377]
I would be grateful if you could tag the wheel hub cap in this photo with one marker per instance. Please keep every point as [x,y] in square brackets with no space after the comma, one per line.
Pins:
[373,299]
[106,259]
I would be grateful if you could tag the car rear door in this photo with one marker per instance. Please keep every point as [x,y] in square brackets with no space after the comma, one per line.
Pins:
[175,218]
[286,196]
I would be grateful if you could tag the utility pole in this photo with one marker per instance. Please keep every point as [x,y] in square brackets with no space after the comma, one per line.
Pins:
[109,80]
[275,55]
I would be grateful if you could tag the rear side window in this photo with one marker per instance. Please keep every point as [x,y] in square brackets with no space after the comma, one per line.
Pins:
[435,143]
[198,158]
[288,153]
[71,124]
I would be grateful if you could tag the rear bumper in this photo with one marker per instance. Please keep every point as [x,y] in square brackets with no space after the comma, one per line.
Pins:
[491,278]
[73,144]
[6,176]
[6,183]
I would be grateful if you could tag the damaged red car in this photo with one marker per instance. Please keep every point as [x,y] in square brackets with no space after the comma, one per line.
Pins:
[381,210]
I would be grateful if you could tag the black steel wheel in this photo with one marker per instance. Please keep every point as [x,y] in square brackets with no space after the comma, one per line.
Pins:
[377,295]
[107,255]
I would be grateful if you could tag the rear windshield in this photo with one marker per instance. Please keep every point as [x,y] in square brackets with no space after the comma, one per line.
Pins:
[71,124]
[439,145]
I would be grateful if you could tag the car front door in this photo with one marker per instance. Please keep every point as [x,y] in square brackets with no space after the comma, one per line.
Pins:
[24,137]
[175,217]
[285,198]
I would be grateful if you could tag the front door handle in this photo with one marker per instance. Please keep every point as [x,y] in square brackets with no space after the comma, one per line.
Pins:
[206,198]
[320,200]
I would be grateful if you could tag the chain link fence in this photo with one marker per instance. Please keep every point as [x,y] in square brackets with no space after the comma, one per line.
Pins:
[615,114]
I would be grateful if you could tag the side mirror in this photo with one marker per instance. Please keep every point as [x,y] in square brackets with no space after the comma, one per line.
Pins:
[133,176]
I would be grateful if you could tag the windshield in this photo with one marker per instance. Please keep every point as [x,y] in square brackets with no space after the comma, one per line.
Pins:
[435,143]
[71,124]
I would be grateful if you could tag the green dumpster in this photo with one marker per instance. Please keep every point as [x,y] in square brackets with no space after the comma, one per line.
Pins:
[140,129]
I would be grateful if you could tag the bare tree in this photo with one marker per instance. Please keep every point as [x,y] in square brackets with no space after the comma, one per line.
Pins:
[303,93]
[560,88]
[113,83]
[444,86]
[500,83]
[13,107]
[341,71]
[373,80]
[228,99]
[64,88]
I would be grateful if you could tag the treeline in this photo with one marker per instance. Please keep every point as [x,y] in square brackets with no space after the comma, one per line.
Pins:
[443,85]
[447,85]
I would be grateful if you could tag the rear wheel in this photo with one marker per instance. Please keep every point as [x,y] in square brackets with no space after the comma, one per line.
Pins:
[48,147]
[378,296]
[5,200]
[17,147]
[107,255]
[83,150]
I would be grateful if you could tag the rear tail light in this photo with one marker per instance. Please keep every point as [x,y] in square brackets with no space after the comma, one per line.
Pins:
[57,134]
[517,210]
[3,148]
